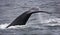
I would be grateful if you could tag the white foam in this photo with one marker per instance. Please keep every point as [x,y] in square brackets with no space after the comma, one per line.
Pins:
[17,26]
[3,26]
[58,24]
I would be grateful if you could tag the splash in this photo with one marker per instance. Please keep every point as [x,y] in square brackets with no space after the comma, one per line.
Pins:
[3,26]
[52,22]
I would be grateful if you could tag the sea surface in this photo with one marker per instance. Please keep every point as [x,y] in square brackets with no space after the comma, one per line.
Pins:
[38,23]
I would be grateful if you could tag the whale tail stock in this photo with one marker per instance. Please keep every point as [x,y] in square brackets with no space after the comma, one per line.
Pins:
[23,18]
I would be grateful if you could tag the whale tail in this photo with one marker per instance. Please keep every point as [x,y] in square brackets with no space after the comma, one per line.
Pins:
[23,18]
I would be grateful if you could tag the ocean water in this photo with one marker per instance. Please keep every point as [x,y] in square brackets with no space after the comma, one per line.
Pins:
[38,24]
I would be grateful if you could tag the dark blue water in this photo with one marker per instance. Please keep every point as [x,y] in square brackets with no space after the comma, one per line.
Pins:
[38,24]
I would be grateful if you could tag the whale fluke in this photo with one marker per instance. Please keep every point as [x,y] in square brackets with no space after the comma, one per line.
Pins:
[23,18]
